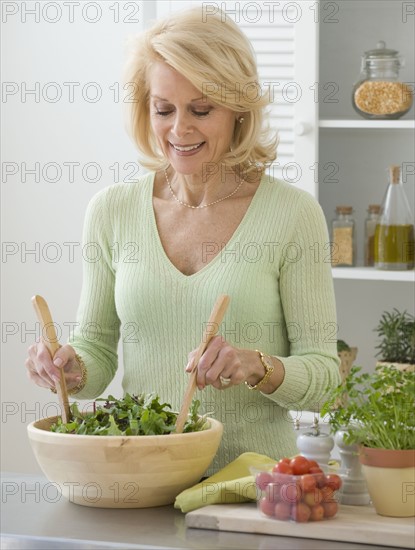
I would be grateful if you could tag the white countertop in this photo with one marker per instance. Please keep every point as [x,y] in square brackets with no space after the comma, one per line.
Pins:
[35,516]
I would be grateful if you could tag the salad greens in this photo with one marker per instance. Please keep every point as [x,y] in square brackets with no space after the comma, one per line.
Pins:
[132,415]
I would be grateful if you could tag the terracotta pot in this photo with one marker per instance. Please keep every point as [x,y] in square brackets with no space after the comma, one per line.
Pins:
[390,477]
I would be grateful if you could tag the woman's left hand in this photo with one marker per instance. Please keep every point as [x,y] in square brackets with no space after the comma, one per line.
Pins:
[223,366]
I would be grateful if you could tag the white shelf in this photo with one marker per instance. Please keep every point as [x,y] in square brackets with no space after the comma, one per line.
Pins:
[364,123]
[372,274]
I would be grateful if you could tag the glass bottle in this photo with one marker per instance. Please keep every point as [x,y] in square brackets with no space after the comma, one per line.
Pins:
[394,236]
[370,229]
[380,93]
[343,238]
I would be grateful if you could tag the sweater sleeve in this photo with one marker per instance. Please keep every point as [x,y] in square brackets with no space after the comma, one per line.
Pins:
[97,331]
[307,297]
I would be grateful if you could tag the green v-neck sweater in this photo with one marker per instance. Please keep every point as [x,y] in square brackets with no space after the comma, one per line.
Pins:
[275,268]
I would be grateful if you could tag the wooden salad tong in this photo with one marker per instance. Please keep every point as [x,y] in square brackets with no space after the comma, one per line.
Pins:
[211,329]
[51,341]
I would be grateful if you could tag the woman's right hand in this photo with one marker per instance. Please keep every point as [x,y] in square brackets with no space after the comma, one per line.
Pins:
[45,373]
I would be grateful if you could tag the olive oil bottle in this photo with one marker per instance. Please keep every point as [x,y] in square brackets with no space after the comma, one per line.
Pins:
[394,235]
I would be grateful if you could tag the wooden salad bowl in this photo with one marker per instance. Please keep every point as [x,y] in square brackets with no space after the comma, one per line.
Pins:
[123,471]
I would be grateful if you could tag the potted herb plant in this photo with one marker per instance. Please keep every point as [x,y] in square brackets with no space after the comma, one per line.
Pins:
[396,331]
[377,413]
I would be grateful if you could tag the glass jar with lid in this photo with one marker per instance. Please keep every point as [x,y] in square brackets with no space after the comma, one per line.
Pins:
[343,238]
[380,93]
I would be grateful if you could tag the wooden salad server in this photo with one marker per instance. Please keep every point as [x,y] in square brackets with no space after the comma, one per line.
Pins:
[211,329]
[51,341]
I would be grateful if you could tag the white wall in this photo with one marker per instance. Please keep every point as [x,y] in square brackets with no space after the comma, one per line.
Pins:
[46,214]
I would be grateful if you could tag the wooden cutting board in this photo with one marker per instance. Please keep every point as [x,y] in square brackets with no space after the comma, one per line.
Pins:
[352,524]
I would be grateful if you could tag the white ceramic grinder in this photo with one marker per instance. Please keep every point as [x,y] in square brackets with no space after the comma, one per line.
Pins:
[354,483]
[315,445]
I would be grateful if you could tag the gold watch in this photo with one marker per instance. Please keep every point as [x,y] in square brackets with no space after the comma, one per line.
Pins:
[269,369]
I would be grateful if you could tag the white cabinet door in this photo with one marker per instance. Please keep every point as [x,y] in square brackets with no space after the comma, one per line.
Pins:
[285,38]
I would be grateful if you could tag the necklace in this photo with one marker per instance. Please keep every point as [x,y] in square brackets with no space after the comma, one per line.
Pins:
[176,198]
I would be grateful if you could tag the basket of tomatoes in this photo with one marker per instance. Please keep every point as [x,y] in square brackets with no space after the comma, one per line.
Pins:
[297,489]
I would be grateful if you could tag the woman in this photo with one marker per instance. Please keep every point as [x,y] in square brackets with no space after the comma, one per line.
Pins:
[205,220]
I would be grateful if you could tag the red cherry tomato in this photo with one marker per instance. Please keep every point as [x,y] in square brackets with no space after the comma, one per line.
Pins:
[308,483]
[285,459]
[319,476]
[267,507]
[321,481]
[300,465]
[333,481]
[283,468]
[283,510]
[290,492]
[317,513]
[280,479]
[330,509]
[263,479]
[272,492]
[314,498]
[300,512]
[313,464]
[328,494]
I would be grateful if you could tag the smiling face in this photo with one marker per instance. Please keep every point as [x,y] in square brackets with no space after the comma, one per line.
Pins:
[191,130]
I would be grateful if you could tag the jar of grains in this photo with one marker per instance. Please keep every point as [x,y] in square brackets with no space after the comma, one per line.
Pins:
[380,94]
[343,244]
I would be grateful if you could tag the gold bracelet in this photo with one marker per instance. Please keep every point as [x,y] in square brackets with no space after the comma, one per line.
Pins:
[81,384]
[269,369]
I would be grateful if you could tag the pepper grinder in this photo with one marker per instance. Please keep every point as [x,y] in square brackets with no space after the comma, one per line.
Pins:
[354,483]
[314,444]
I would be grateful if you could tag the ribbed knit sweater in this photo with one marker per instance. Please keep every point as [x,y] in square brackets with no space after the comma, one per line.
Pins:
[276,270]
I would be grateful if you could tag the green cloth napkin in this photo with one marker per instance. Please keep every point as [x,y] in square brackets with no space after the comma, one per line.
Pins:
[231,485]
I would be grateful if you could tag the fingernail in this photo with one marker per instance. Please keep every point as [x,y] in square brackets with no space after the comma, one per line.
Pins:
[58,362]
[200,387]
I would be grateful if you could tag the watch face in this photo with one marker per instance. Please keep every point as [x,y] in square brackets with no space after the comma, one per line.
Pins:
[267,362]
[269,369]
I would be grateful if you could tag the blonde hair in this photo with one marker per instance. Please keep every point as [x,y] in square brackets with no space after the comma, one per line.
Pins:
[218,59]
